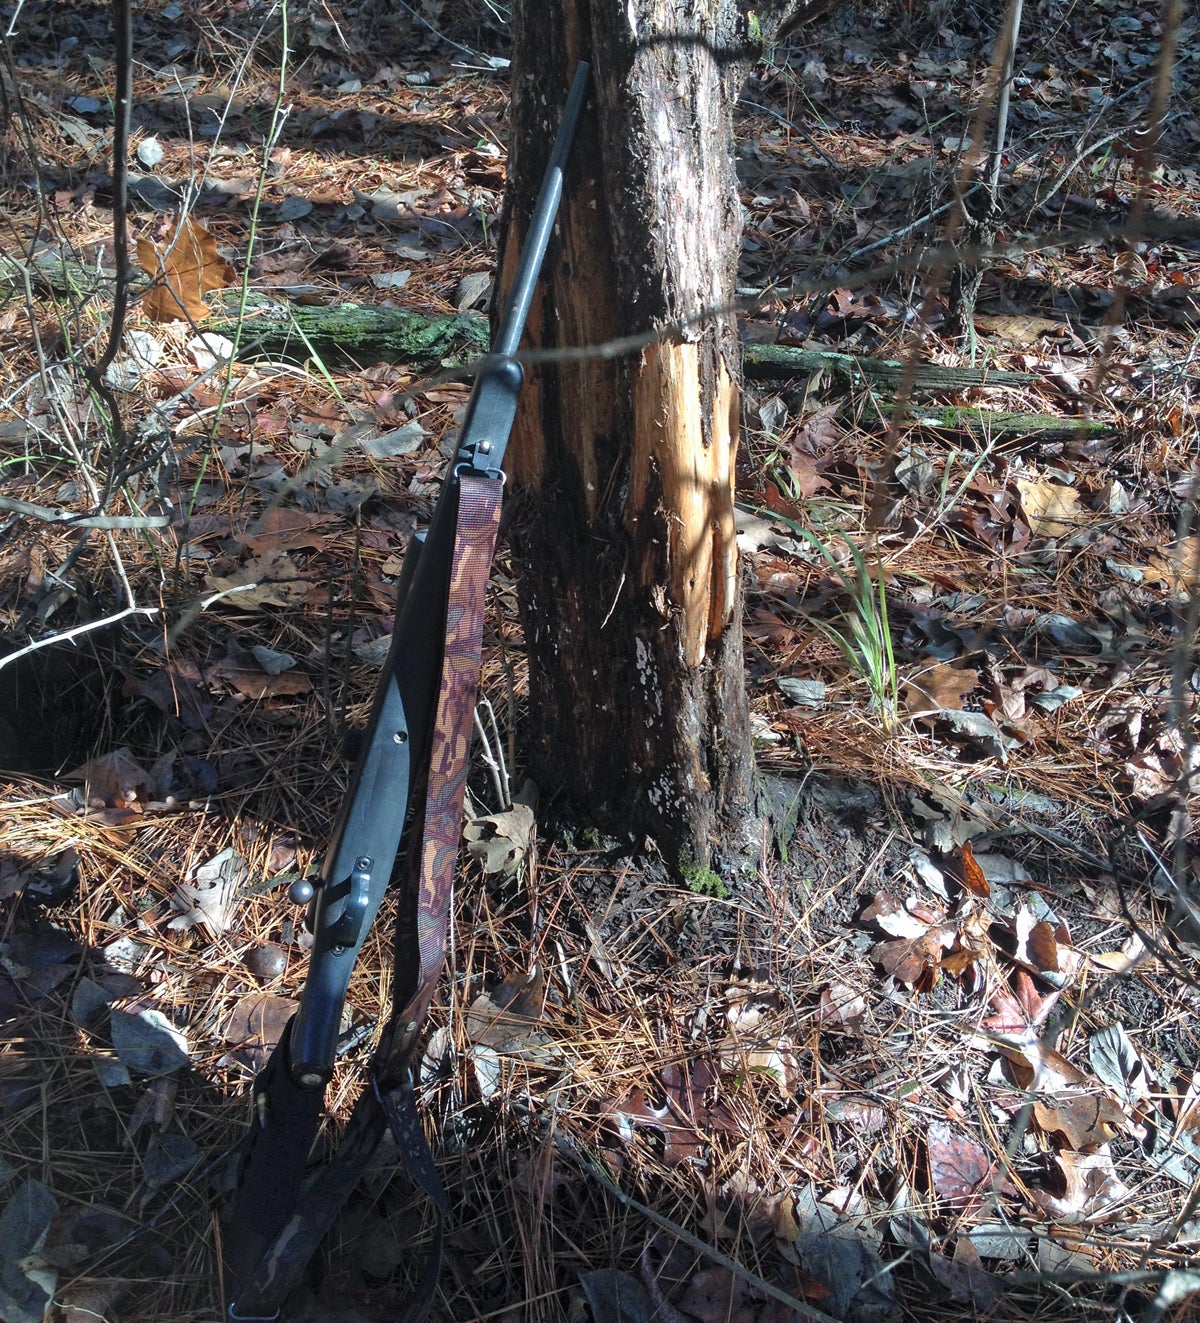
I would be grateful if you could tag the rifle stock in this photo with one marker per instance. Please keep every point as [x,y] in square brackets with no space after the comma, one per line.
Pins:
[276,1222]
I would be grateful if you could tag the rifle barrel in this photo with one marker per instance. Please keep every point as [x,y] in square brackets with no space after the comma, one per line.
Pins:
[534,250]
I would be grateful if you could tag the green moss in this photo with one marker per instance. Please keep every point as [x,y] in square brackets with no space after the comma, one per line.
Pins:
[347,329]
[702,881]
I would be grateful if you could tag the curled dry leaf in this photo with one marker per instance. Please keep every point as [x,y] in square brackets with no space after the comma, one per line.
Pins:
[965,1277]
[1051,509]
[245,672]
[716,1295]
[1117,1062]
[1036,943]
[1084,1120]
[841,1007]
[187,266]
[502,842]
[686,1118]
[256,1025]
[916,961]
[972,874]
[207,895]
[1090,1190]
[937,688]
[776,1059]
[146,1041]
[1021,1012]
[117,778]
[911,919]
[1178,569]
[281,528]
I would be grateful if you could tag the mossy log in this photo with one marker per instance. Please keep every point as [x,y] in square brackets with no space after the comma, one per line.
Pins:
[776,362]
[268,327]
[284,328]
[999,425]
[347,330]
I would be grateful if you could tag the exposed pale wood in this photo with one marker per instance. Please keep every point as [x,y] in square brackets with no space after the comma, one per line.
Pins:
[726,423]
[668,436]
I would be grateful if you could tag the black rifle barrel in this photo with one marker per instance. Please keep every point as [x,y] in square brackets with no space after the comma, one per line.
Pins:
[493,404]
[533,252]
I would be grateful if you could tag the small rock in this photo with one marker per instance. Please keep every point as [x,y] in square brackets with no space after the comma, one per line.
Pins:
[267,962]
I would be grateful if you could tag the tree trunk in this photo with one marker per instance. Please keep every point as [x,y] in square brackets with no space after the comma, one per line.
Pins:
[622,468]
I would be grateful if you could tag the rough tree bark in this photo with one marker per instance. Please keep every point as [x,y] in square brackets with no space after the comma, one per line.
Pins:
[622,467]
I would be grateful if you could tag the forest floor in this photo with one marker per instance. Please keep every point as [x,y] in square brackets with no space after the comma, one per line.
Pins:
[941,1057]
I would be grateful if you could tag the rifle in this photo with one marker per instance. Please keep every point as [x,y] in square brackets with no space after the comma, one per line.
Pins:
[405,801]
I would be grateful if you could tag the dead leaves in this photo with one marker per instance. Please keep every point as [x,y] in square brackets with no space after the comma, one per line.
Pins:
[1051,509]
[41,1243]
[937,688]
[1081,1120]
[281,528]
[973,876]
[958,1165]
[1177,568]
[206,897]
[113,779]
[684,1116]
[270,579]
[504,1030]
[503,842]
[185,267]
[1086,1187]
[255,1027]
[260,672]
[1021,961]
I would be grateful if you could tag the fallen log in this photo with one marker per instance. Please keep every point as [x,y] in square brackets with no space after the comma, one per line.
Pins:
[346,330]
[284,328]
[774,362]
[998,425]
[267,327]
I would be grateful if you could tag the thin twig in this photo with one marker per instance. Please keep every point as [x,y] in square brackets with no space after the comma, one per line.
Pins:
[906,230]
[1077,161]
[51,515]
[66,635]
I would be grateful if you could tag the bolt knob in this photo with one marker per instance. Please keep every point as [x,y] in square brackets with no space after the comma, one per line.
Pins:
[301,891]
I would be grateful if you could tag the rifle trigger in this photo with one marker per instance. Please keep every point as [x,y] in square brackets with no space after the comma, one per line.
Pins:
[347,930]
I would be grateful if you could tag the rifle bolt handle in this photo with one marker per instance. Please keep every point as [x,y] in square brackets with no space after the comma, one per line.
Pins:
[301,891]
